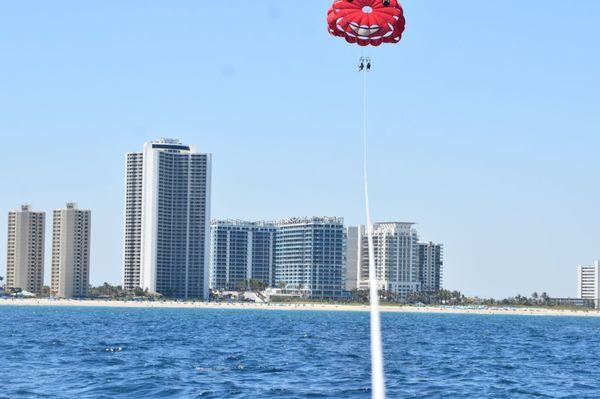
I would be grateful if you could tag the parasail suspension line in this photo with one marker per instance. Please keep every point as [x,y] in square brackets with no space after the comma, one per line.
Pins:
[377,375]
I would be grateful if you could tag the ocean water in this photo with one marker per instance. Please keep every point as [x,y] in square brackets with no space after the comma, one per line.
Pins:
[170,353]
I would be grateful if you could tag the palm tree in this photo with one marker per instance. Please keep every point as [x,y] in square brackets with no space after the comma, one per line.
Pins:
[241,286]
[282,285]
[257,285]
[545,298]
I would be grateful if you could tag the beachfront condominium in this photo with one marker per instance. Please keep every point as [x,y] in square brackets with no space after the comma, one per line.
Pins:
[167,220]
[240,252]
[588,282]
[133,221]
[310,256]
[25,250]
[71,252]
[353,255]
[430,261]
[396,258]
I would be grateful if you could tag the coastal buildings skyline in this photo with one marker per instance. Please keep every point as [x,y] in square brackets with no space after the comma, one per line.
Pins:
[234,261]
[460,129]
[171,249]
[113,280]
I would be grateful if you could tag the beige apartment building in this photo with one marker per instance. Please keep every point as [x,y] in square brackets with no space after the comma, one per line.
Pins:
[396,247]
[25,250]
[71,252]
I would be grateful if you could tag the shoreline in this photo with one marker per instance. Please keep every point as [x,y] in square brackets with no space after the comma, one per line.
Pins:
[299,307]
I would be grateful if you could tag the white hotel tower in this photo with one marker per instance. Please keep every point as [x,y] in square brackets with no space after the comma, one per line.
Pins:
[167,220]
[588,282]
[396,248]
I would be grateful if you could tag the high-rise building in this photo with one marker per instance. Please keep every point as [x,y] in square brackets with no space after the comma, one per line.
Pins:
[588,282]
[25,250]
[167,220]
[310,256]
[242,251]
[431,261]
[71,252]
[353,255]
[396,258]
[133,222]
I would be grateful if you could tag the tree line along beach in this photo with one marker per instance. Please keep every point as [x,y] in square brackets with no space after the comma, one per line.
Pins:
[300,306]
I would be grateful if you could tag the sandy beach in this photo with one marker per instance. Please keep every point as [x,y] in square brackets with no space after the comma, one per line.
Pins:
[301,307]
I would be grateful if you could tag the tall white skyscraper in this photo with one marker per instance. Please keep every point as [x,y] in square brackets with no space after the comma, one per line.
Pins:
[588,282]
[71,252]
[167,220]
[396,248]
[25,250]
[133,222]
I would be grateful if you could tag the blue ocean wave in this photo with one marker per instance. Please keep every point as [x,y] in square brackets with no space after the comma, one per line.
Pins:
[200,353]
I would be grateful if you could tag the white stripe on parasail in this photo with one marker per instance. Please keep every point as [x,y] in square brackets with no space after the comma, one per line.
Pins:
[377,377]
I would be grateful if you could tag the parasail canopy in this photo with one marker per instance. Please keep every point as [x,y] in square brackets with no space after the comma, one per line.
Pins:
[366,22]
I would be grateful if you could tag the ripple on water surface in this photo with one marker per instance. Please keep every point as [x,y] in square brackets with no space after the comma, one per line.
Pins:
[170,353]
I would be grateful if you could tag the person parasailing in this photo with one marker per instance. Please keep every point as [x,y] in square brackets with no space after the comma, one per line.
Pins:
[369,23]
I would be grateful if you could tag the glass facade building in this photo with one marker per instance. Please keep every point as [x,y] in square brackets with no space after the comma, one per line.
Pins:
[242,251]
[310,256]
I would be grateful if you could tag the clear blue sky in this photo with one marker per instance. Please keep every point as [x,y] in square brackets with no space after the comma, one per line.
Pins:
[485,122]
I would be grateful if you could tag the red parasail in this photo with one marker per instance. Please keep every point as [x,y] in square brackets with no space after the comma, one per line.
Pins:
[366,22]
